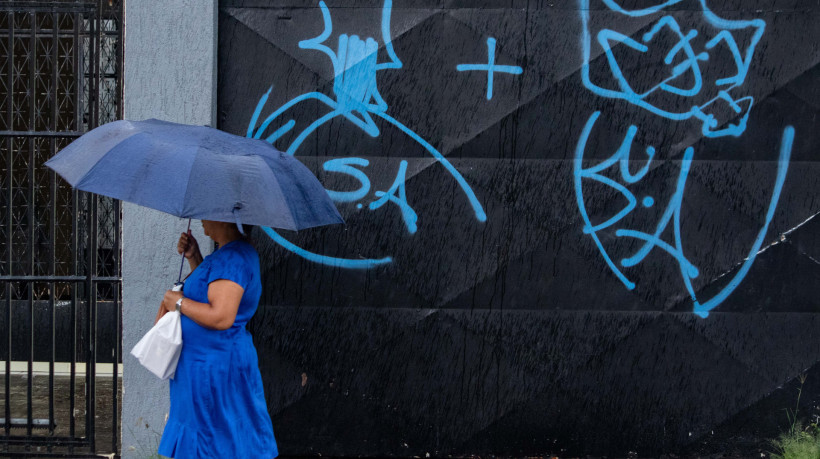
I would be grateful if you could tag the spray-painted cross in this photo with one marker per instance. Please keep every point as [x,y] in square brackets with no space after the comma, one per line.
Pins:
[490,67]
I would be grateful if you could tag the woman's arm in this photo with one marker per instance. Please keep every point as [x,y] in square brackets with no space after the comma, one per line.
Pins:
[195,260]
[219,313]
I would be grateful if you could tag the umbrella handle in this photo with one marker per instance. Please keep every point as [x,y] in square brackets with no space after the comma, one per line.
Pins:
[182,264]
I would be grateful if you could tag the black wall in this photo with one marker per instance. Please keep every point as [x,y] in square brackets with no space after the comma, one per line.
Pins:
[615,250]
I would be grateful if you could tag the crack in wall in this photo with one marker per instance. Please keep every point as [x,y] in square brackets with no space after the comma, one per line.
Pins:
[781,239]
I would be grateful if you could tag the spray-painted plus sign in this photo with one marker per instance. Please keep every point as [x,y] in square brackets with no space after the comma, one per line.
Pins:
[490,67]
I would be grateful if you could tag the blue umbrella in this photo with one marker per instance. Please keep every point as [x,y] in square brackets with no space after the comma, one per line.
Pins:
[196,172]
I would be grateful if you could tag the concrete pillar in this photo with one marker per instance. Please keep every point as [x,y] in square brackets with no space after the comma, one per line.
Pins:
[170,74]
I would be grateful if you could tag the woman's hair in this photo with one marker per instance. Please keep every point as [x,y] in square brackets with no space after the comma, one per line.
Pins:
[248,236]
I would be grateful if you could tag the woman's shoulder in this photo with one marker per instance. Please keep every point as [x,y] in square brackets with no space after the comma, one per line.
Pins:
[236,261]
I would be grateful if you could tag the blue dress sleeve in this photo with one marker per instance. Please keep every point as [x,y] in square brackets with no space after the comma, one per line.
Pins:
[232,266]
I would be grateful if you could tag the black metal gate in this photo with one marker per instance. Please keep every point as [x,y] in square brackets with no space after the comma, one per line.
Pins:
[60,301]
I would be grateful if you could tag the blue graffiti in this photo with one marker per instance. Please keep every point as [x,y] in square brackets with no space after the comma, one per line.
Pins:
[490,67]
[671,215]
[357,99]
[407,212]
[341,165]
[681,60]
[397,194]
[324,259]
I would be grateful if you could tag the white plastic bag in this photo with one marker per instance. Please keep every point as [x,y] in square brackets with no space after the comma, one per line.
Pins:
[159,349]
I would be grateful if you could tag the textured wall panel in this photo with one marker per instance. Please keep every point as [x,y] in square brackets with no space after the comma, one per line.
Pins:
[577,227]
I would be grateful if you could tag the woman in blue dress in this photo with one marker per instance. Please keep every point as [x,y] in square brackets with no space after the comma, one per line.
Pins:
[217,402]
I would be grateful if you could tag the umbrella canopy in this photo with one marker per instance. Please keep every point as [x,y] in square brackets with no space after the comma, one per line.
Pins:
[196,172]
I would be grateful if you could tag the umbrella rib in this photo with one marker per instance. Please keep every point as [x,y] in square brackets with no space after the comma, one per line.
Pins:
[188,184]
[287,202]
[292,214]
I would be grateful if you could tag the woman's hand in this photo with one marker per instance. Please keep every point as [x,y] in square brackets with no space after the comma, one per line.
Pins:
[188,246]
[169,301]
[168,304]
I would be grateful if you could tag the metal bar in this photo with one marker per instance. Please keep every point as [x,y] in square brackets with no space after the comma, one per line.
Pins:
[59,34]
[55,20]
[90,381]
[72,373]
[78,82]
[55,46]
[53,338]
[53,226]
[30,368]
[56,441]
[7,426]
[91,365]
[91,308]
[38,423]
[59,278]
[13,6]
[94,72]
[115,374]
[120,59]
[118,247]
[32,454]
[31,223]
[73,366]
[7,423]
[78,75]
[67,134]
